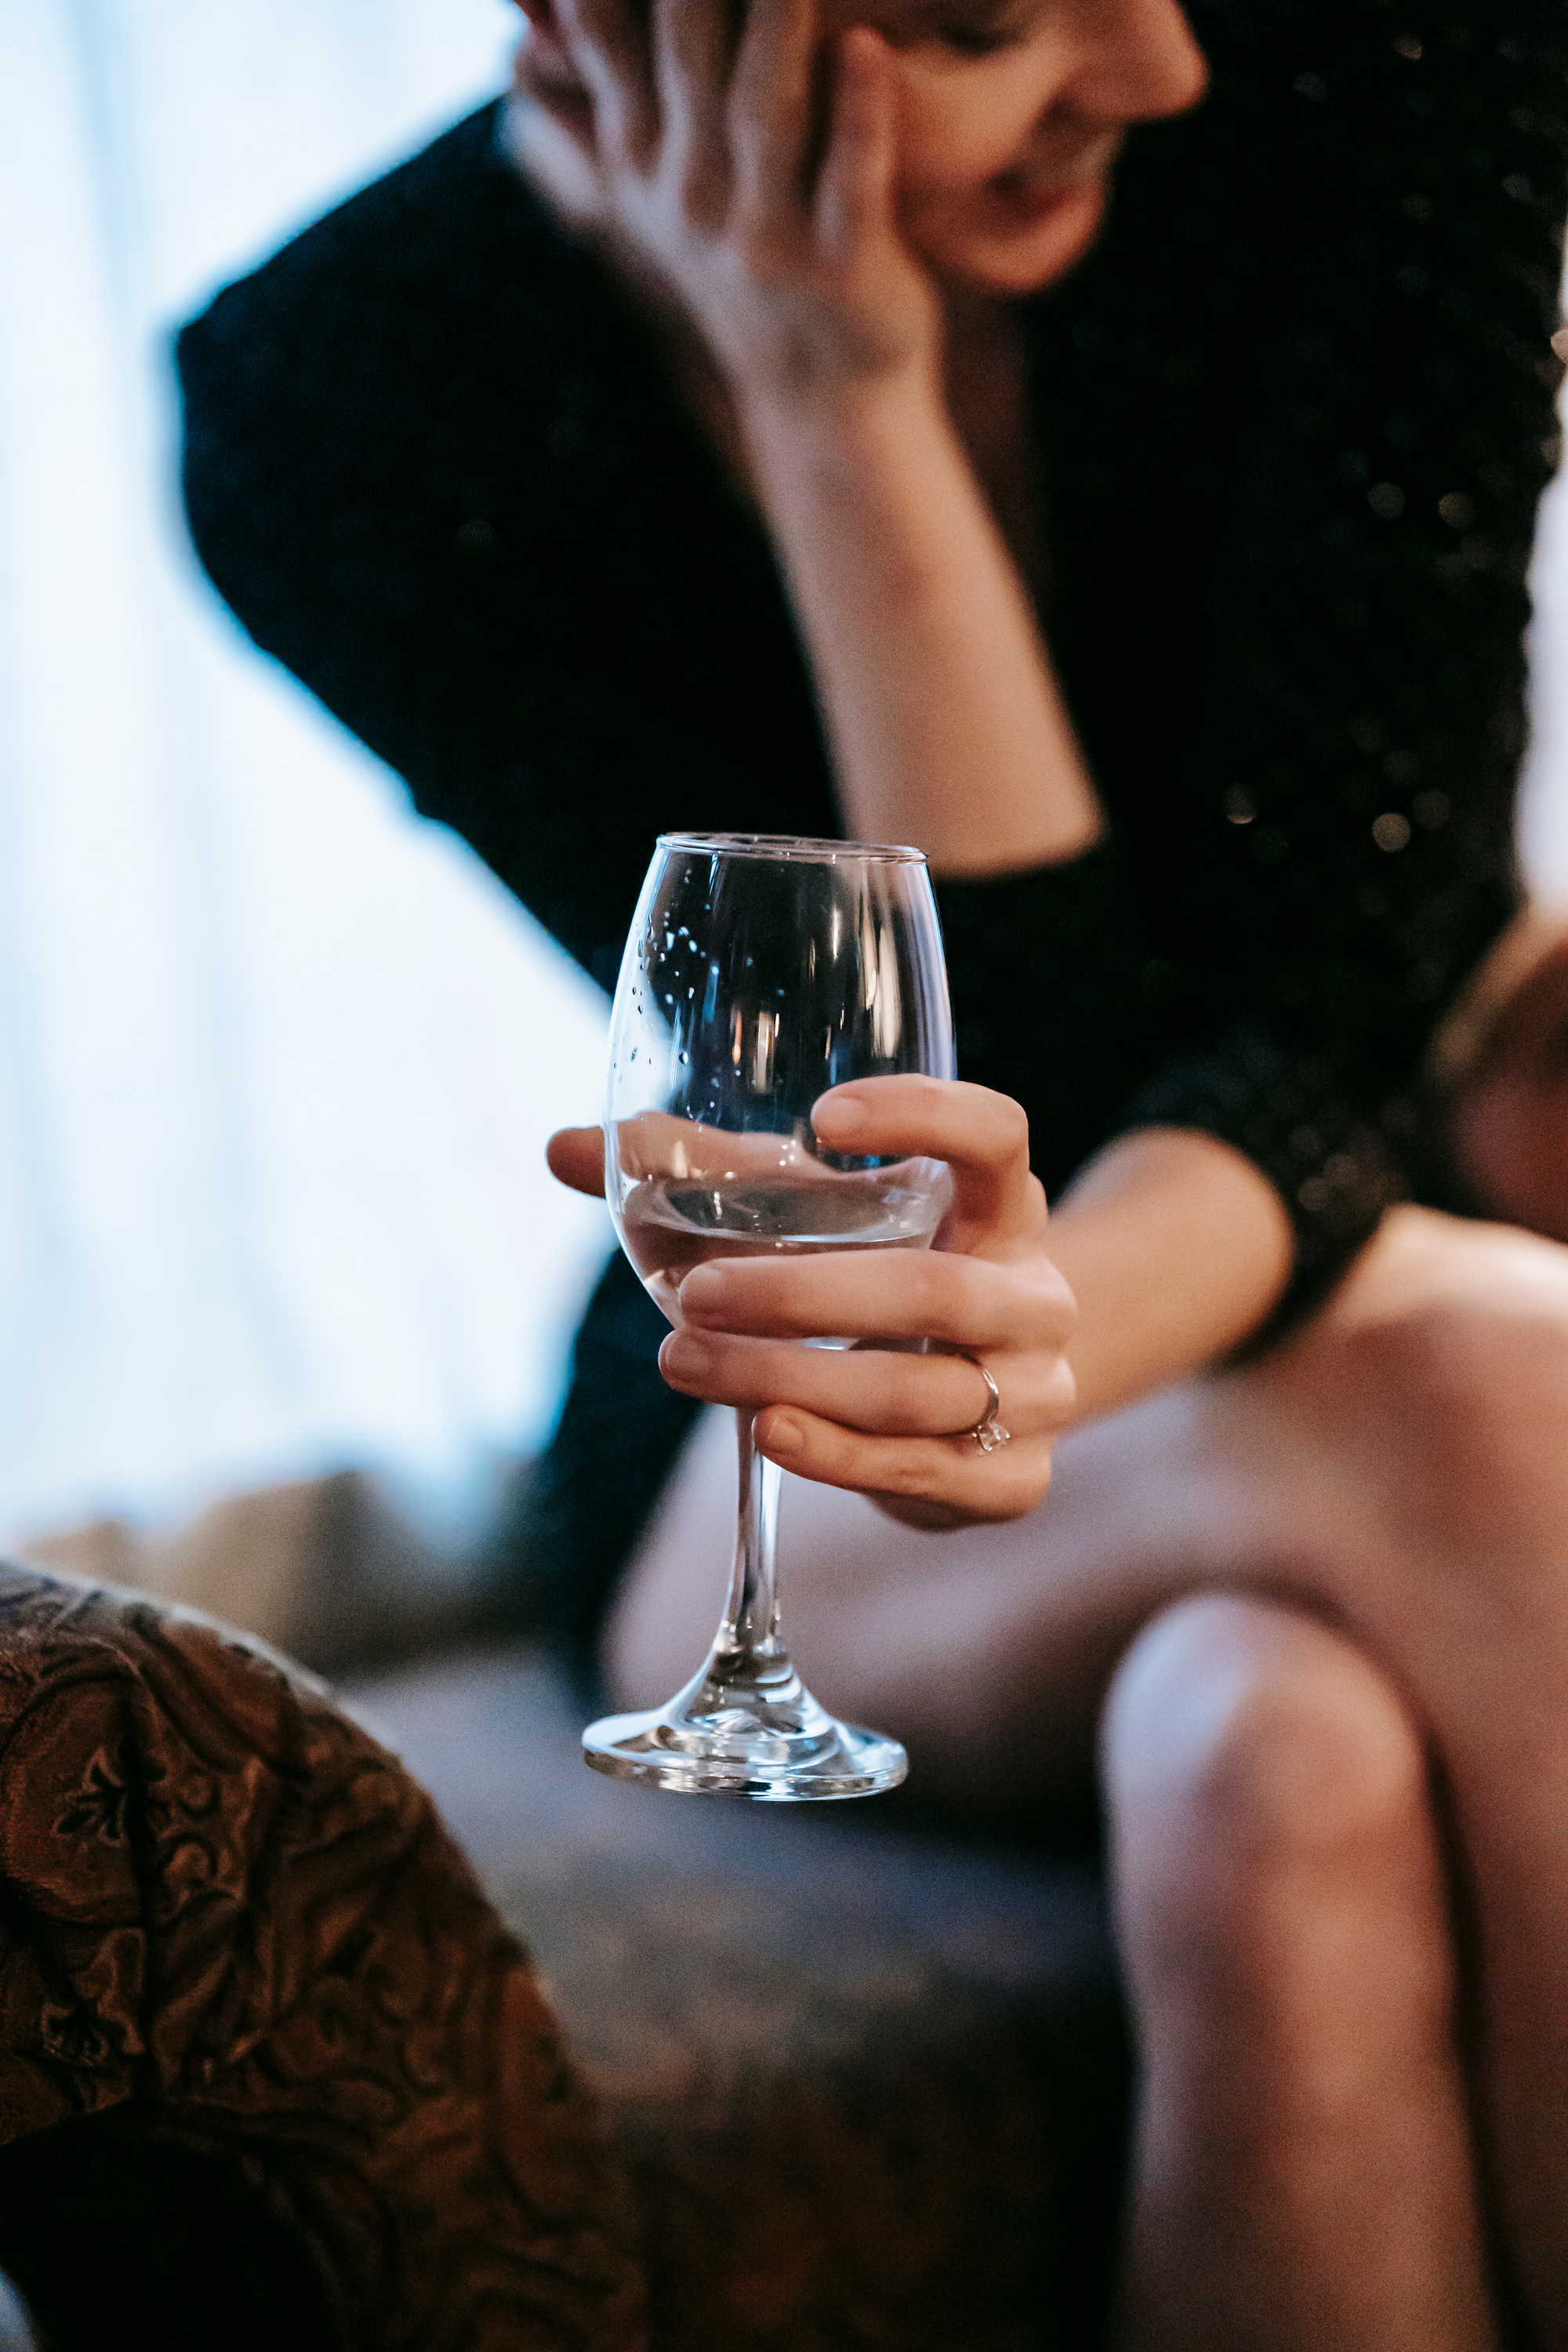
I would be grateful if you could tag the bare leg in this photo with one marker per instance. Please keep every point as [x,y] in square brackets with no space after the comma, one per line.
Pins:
[1302,2174]
[1400,1469]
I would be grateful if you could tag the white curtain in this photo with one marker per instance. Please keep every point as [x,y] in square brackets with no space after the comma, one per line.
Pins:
[277,1061]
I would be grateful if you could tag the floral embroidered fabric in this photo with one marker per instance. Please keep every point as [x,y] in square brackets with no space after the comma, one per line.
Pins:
[237,1944]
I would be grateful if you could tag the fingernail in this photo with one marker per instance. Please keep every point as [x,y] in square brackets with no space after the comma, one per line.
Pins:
[683,1352]
[842,1112]
[702,1290]
[784,1435]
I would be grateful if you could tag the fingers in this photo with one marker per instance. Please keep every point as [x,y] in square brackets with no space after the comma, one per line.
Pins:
[875,1391]
[855,189]
[982,1136]
[692,48]
[770,106]
[609,44]
[890,1424]
[543,72]
[964,1302]
[665,92]
[930,1481]
[575,1156]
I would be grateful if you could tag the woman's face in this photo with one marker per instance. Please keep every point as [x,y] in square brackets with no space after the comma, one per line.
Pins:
[1011,114]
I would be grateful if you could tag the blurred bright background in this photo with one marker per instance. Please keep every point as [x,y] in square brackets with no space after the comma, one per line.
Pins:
[277,1061]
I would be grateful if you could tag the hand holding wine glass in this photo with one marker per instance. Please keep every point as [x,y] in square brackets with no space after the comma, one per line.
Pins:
[781,1050]
[882,1419]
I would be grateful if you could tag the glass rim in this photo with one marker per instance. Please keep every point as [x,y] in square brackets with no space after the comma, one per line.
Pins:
[809,850]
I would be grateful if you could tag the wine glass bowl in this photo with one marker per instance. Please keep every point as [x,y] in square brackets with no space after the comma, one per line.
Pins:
[760,972]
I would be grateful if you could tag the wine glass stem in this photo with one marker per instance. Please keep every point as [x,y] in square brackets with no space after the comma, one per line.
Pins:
[749,1645]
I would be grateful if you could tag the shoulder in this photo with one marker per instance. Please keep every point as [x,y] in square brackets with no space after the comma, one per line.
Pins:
[1296,493]
[437,238]
[404,387]
[398,359]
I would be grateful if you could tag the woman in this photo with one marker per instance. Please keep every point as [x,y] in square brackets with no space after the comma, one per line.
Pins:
[1317,1590]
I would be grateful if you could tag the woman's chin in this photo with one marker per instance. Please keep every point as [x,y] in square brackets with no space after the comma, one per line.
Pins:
[1023,243]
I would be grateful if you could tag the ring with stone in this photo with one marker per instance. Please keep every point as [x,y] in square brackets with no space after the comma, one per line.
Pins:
[987,1433]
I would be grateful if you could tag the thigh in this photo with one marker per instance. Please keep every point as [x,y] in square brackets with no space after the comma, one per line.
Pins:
[985,1649]
[1398,1464]
[1399,1467]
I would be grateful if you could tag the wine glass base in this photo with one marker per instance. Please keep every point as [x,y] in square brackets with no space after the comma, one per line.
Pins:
[668,1749]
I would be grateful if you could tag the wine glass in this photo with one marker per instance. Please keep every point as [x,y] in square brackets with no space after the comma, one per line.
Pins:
[759,971]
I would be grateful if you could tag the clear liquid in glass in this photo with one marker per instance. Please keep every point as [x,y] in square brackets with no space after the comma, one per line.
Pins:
[669,1224]
[759,973]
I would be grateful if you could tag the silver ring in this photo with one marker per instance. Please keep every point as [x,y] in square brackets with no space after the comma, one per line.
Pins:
[987,1433]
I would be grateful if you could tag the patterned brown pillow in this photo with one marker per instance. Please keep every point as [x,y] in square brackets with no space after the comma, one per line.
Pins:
[268,2060]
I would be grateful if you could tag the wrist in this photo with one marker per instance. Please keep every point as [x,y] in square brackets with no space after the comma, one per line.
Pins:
[1177,1248]
[860,423]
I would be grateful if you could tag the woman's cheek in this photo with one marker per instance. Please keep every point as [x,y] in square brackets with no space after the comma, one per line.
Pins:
[953,140]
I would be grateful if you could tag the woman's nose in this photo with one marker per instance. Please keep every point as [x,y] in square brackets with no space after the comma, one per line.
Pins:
[1139,61]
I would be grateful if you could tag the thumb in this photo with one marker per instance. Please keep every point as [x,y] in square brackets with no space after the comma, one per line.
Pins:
[576,1157]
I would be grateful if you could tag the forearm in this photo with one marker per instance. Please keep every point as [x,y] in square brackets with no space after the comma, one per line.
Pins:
[1176,1248]
[946,724]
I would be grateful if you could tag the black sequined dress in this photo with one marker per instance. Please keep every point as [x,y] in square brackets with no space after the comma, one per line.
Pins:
[1295,414]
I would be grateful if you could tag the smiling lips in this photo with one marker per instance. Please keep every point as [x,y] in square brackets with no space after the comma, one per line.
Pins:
[1033,192]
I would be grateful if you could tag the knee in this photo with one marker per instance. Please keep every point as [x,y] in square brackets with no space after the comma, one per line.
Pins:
[1252,1756]
[1456,1346]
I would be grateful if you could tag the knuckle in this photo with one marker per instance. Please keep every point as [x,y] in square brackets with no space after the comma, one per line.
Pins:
[931,1094]
[1013,1133]
[1049,1303]
[913,1477]
[1018,1492]
[937,1274]
[1061,1392]
[1030,1390]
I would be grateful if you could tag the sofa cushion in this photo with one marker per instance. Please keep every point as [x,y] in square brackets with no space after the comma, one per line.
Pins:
[868,2073]
[235,1940]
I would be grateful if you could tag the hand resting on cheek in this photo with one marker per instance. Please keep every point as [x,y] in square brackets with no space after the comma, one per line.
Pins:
[753,177]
